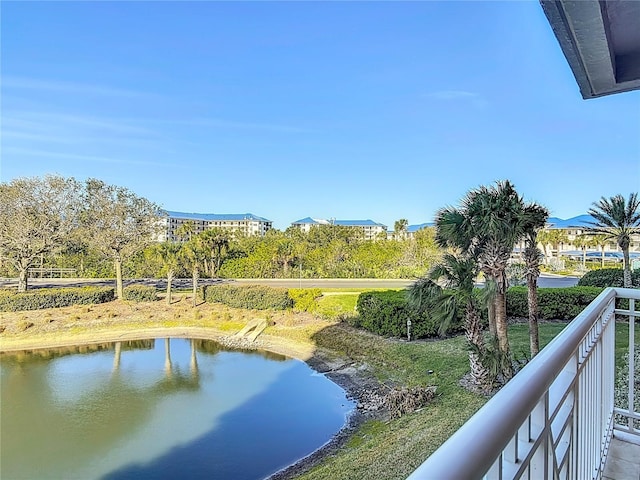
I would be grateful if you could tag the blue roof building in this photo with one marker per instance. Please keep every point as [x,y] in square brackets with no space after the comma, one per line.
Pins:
[370,229]
[247,223]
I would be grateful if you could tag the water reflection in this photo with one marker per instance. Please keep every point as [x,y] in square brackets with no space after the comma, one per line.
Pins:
[127,408]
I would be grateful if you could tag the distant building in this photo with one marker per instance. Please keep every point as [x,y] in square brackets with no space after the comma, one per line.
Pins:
[577,226]
[247,223]
[370,230]
[411,231]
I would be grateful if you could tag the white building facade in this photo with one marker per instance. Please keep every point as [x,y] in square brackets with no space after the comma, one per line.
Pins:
[245,223]
[370,230]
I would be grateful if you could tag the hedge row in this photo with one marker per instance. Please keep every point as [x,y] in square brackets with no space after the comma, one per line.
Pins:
[258,297]
[140,293]
[386,313]
[553,303]
[10,301]
[608,277]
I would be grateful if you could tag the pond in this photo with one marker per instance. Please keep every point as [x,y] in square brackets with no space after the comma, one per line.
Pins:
[163,408]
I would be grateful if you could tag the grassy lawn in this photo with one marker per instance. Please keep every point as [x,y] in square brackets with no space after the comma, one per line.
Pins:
[393,449]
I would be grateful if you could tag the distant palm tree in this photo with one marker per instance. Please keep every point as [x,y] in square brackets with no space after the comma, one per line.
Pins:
[619,220]
[457,275]
[186,230]
[167,254]
[557,238]
[600,241]
[534,218]
[544,239]
[193,254]
[582,242]
[400,227]
[216,242]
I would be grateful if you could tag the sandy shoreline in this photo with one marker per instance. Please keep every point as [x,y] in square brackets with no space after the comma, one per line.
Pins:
[356,380]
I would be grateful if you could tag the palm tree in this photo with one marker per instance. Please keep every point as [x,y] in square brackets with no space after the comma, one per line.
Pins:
[167,253]
[186,230]
[582,242]
[534,218]
[400,227]
[600,241]
[544,239]
[487,227]
[457,275]
[193,253]
[557,238]
[216,242]
[618,220]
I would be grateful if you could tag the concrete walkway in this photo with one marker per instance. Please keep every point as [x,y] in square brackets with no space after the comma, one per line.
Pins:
[623,461]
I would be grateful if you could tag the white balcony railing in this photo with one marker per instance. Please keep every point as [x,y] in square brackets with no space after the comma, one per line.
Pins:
[556,417]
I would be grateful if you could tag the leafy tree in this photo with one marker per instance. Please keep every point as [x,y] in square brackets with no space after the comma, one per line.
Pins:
[618,219]
[400,228]
[285,254]
[37,215]
[118,223]
[534,219]
[457,275]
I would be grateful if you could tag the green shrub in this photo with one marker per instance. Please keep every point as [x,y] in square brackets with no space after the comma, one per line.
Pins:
[608,277]
[10,301]
[258,297]
[304,299]
[386,313]
[140,293]
[553,303]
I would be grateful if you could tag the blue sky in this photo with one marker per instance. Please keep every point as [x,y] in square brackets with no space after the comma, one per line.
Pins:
[351,110]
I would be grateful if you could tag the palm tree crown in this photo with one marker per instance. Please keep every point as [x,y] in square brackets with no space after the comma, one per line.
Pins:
[618,219]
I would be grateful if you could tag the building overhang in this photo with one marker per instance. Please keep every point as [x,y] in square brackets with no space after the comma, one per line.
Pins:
[601,41]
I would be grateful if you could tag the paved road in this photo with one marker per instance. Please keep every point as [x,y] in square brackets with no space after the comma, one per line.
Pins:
[546,281]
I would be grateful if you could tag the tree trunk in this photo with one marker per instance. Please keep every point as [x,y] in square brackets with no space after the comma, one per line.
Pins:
[602,256]
[584,257]
[473,332]
[501,321]
[532,301]
[23,282]
[169,282]
[195,285]
[491,313]
[501,330]
[119,290]
[627,268]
